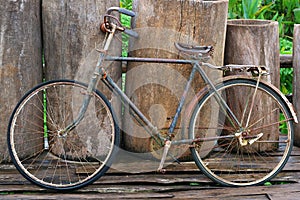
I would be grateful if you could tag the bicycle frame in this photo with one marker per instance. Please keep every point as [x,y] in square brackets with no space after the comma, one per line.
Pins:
[196,68]
[100,72]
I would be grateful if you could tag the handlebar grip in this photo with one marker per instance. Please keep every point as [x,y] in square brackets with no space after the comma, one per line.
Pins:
[126,12]
[131,33]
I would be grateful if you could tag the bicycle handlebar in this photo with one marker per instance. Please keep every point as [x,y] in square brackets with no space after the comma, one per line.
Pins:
[131,33]
[121,10]
[106,25]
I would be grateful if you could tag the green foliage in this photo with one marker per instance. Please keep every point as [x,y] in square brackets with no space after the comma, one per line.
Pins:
[268,184]
[251,9]
[194,184]
[126,4]
[247,9]
[286,74]
[279,10]
[286,80]
[125,20]
[282,11]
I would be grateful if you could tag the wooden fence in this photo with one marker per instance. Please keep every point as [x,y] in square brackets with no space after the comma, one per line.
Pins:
[293,61]
[296,85]
[67,33]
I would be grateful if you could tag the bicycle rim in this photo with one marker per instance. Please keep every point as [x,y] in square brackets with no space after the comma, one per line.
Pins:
[62,161]
[250,151]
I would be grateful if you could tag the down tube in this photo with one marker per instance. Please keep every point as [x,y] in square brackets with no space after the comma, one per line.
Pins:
[108,80]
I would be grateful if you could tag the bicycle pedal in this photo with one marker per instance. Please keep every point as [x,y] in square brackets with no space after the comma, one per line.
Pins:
[162,171]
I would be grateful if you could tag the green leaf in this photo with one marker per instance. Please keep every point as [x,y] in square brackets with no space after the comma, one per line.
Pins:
[268,184]
[194,184]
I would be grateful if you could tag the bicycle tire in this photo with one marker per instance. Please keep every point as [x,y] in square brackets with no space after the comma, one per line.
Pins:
[249,153]
[69,161]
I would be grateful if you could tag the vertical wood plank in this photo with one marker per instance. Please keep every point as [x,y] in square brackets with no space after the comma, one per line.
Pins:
[71,34]
[157,88]
[296,86]
[254,42]
[20,57]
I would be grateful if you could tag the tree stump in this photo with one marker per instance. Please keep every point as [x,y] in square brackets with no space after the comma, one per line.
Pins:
[157,88]
[20,57]
[296,88]
[71,36]
[253,42]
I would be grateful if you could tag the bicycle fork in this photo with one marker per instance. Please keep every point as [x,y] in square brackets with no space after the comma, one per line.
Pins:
[99,71]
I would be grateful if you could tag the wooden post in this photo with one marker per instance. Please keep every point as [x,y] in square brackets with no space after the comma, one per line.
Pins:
[20,57]
[157,88]
[71,36]
[296,88]
[254,42]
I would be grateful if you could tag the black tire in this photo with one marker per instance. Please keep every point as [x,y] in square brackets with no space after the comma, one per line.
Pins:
[250,151]
[67,161]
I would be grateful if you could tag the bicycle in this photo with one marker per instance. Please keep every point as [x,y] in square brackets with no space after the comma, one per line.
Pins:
[249,143]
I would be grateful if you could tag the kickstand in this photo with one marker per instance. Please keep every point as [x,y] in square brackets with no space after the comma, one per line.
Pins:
[164,156]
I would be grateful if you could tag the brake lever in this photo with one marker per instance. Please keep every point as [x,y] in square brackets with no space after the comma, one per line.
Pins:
[105,26]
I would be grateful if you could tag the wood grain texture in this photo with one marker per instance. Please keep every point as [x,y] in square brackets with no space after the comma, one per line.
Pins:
[254,42]
[157,88]
[71,34]
[296,78]
[183,181]
[20,57]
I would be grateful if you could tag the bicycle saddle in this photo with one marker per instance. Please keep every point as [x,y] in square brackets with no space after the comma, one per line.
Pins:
[191,49]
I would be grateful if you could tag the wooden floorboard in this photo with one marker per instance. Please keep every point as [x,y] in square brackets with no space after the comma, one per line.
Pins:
[128,180]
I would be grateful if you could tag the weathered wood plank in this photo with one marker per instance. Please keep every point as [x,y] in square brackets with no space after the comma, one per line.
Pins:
[296,89]
[20,58]
[180,182]
[287,191]
[87,196]
[126,163]
[159,27]
[286,61]
[139,186]
[254,42]
[71,36]
[150,178]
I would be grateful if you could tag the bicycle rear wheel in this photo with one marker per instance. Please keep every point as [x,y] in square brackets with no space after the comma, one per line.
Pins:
[249,151]
[58,161]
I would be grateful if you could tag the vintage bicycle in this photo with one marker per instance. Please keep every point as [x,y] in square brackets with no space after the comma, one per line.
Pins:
[247,142]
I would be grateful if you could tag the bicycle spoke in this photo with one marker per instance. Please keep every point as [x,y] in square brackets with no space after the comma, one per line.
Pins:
[72,160]
[253,153]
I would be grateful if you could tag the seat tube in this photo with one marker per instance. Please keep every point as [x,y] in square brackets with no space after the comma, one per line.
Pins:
[182,100]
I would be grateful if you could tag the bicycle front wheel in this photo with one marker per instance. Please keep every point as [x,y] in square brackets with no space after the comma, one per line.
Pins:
[244,140]
[51,158]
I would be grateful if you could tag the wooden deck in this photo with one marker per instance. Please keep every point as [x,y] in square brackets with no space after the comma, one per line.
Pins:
[135,179]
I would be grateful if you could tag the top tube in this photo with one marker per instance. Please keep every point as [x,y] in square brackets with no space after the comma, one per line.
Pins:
[150,60]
